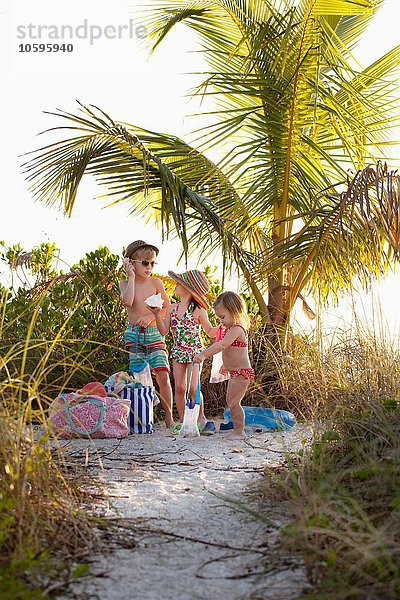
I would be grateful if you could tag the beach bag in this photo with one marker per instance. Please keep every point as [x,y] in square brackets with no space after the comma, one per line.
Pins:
[141,404]
[142,371]
[77,415]
[192,408]
[117,381]
[142,399]
[216,376]
[142,374]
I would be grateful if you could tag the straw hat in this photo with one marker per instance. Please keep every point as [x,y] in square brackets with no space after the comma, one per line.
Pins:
[139,244]
[194,282]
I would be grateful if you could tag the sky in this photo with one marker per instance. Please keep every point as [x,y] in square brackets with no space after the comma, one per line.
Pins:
[114,72]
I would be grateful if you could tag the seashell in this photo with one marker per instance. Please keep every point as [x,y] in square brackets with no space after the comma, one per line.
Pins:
[155,301]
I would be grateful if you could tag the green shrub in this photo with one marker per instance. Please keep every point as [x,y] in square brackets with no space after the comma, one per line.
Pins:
[68,328]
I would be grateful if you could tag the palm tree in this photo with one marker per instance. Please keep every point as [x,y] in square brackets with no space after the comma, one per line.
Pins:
[298,113]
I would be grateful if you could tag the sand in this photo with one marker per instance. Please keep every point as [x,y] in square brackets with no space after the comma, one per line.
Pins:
[187,533]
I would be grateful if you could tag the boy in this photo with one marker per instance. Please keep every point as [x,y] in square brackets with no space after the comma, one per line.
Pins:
[142,335]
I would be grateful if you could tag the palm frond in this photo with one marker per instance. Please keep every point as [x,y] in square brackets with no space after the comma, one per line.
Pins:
[123,162]
[293,112]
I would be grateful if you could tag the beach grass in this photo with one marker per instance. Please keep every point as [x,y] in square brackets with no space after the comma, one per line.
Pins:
[343,487]
[46,535]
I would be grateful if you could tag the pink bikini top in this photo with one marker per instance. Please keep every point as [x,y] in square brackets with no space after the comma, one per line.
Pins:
[236,343]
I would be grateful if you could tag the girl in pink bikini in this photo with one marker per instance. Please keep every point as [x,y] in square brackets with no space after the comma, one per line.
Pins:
[232,313]
[185,319]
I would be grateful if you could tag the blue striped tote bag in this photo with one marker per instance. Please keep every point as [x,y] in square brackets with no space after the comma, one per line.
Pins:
[140,419]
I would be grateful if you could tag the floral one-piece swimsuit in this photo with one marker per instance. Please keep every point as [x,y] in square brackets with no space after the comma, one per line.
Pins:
[186,334]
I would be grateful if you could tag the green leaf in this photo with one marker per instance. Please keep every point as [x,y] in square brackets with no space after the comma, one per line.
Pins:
[80,570]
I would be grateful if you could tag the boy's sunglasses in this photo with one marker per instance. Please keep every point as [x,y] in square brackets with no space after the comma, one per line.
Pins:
[146,263]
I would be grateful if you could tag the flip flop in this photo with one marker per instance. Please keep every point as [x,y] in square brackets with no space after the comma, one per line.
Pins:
[176,429]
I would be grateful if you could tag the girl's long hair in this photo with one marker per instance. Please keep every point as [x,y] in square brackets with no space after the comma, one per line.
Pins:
[195,303]
[236,306]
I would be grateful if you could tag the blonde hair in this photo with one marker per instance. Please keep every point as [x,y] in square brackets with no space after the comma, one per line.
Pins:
[236,306]
[143,253]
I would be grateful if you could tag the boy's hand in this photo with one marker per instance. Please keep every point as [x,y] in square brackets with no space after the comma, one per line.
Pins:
[154,309]
[198,359]
[223,370]
[144,321]
[129,267]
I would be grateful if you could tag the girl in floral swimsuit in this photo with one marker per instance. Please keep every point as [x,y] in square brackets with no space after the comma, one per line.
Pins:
[185,331]
[232,313]
[185,319]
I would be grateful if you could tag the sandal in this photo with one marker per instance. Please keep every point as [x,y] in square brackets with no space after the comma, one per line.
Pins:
[226,426]
[209,428]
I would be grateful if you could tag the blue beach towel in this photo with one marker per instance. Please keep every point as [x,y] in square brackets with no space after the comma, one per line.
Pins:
[269,418]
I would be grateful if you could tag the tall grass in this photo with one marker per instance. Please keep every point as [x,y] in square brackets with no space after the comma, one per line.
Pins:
[43,529]
[344,486]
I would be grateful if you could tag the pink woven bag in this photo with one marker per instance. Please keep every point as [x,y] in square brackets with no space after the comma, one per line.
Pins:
[76,415]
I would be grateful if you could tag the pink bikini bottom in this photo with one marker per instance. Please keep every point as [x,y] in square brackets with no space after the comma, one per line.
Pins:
[247,373]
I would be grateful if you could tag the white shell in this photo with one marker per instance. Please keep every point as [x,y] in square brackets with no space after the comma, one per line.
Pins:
[155,301]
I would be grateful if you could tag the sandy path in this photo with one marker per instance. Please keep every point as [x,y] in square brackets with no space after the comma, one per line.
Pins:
[187,543]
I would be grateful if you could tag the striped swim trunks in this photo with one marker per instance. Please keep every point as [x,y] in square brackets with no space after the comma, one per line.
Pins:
[146,343]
